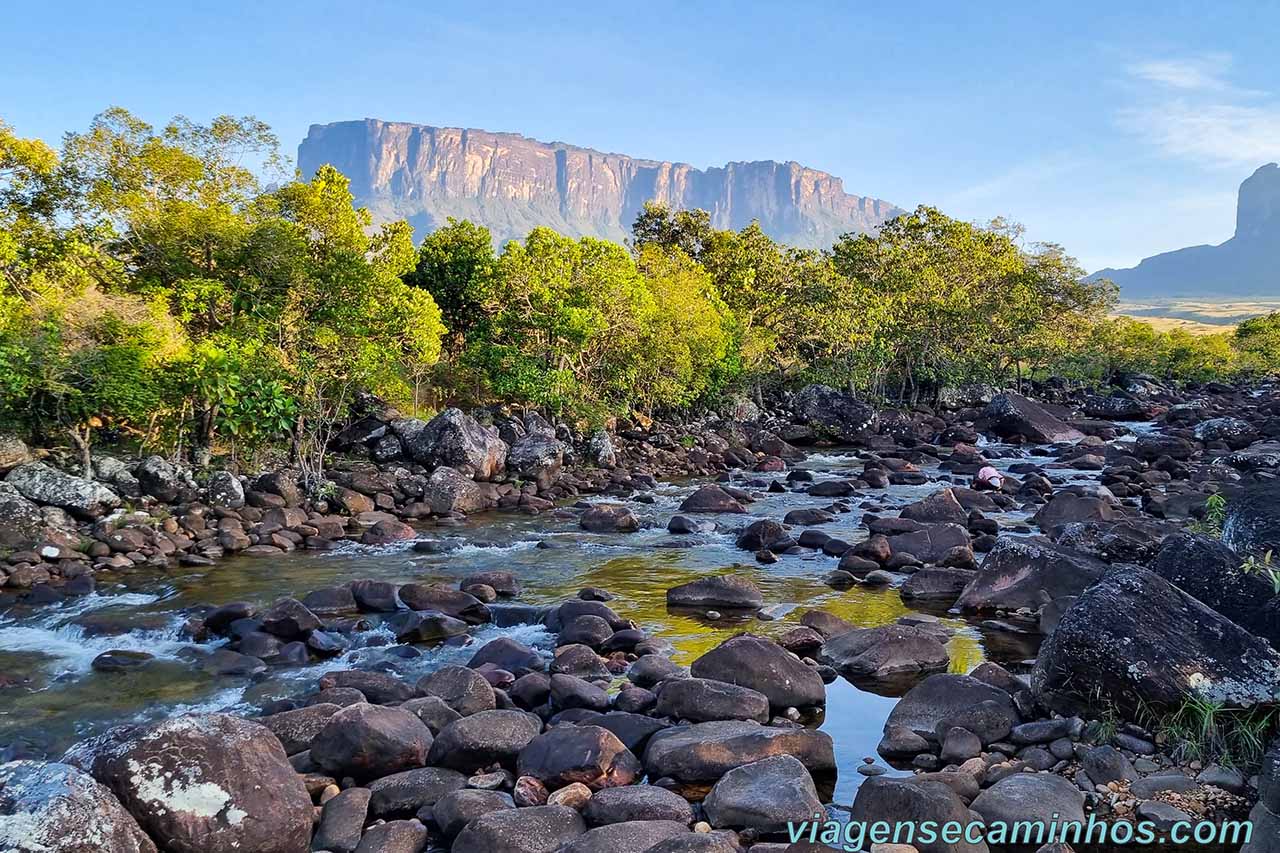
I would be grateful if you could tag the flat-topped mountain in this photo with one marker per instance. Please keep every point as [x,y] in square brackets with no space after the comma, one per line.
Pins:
[1246,265]
[511,183]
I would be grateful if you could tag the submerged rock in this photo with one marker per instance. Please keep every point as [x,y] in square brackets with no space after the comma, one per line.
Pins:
[718,591]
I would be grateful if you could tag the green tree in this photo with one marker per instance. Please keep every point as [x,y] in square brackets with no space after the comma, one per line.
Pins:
[456,265]
[1258,341]
[351,323]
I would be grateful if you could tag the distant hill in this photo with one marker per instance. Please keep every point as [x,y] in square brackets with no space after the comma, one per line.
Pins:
[1247,265]
[510,184]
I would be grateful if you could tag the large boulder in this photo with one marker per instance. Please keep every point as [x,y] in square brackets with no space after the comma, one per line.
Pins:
[367,741]
[22,524]
[885,652]
[459,441]
[57,808]
[1233,432]
[1138,640]
[588,754]
[833,414]
[163,480]
[944,696]
[403,794]
[711,498]
[636,802]
[704,752]
[599,450]
[461,688]
[1014,415]
[939,508]
[1130,540]
[48,486]
[538,458]
[1210,571]
[931,543]
[450,491]
[540,829]
[765,667]
[1252,525]
[224,489]
[765,795]
[208,782]
[1117,407]
[1070,507]
[455,810]
[1152,445]
[1028,572]
[910,801]
[609,518]
[296,728]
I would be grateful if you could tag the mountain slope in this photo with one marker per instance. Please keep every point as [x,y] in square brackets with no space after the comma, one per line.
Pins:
[1246,265]
[510,184]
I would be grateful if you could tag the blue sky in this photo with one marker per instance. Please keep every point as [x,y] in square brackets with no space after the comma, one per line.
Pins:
[1116,129]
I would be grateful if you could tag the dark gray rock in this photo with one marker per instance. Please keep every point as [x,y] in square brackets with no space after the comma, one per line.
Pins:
[632,835]
[1031,796]
[540,829]
[764,666]
[637,802]
[884,652]
[342,821]
[1137,639]
[701,700]
[910,801]
[1028,572]
[488,737]
[704,752]
[370,741]
[765,796]
[456,809]
[942,697]
[717,592]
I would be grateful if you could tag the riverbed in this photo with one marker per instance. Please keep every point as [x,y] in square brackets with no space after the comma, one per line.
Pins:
[50,696]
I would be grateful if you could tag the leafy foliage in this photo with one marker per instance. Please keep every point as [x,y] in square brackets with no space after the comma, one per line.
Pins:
[176,287]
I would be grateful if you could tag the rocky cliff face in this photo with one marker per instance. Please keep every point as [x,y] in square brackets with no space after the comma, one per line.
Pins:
[510,184]
[1247,265]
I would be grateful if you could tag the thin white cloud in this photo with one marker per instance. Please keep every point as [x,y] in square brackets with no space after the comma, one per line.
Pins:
[1191,110]
[1196,74]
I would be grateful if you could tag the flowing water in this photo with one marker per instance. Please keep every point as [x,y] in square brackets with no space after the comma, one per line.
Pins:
[50,696]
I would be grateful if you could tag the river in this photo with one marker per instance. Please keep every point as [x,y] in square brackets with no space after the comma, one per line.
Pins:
[50,696]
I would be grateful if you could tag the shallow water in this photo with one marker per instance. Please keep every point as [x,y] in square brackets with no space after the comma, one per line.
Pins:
[50,697]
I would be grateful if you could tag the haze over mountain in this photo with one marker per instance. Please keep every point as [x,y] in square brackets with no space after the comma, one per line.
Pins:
[510,184]
[1247,265]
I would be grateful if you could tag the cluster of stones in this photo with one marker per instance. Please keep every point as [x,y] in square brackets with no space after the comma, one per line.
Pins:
[519,750]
